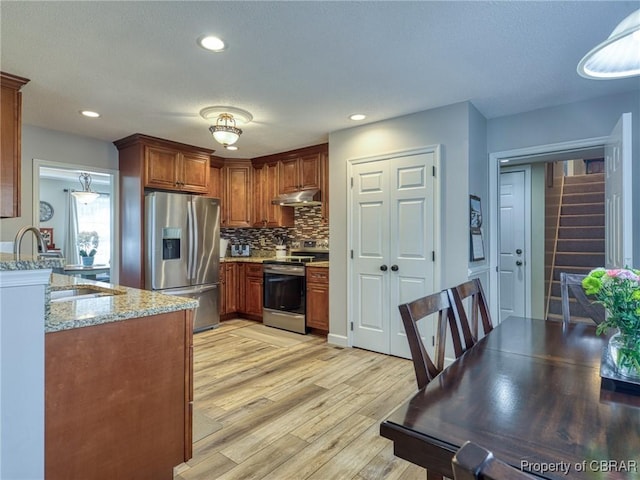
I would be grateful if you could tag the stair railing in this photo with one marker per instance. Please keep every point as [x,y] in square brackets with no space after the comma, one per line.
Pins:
[555,248]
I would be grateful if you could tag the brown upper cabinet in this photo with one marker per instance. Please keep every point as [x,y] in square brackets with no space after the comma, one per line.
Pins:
[237,194]
[10,156]
[175,169]
[265,189]
[300,173]
[216,179]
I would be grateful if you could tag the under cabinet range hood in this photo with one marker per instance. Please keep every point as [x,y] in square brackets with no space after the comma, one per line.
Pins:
[301,198]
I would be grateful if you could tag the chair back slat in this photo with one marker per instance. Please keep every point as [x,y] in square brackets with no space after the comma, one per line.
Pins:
[415,311]
[478,311]
[572,283]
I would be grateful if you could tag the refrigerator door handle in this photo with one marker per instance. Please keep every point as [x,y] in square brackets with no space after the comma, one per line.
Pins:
[191,241]
[189,290]
[196,240]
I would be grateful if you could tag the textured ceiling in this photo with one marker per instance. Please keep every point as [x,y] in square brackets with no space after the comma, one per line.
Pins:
[299,67]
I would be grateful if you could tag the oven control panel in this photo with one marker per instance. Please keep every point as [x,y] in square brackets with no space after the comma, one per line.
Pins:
[310,245]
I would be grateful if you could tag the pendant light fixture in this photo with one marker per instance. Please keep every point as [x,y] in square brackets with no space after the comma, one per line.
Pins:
[618,56]
[86,195]
[225,131]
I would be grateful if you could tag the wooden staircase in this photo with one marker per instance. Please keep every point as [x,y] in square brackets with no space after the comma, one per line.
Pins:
[580,240]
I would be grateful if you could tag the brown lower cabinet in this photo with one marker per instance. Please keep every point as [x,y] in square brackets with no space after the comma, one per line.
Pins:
[318,298]
[251,290]
[119,399]
[241,290]
[228,289]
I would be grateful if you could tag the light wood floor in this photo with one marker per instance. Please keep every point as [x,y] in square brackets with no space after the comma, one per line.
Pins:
[276,405]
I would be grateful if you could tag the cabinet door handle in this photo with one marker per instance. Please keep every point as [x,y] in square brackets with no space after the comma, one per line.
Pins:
[394,268]
[383,268]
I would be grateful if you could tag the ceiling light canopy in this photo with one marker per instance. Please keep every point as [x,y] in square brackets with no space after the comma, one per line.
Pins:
[618,56]
[86,195]
[225,131]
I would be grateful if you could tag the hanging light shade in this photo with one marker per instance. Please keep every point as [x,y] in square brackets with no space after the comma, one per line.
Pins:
[618,56]
[225,131]
[86,195]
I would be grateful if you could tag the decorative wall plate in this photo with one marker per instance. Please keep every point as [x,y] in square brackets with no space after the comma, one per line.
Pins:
[46,211]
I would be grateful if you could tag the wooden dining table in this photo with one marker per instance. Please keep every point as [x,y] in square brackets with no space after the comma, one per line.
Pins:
[531,393]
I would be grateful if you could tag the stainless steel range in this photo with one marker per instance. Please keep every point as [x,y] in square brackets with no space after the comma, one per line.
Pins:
[284,294]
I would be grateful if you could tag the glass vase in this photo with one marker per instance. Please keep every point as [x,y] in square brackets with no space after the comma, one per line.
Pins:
[624,350]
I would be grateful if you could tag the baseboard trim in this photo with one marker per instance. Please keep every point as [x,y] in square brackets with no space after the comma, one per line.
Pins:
[337,340]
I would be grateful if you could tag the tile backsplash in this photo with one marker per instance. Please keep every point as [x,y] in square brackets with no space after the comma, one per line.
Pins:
[308,224]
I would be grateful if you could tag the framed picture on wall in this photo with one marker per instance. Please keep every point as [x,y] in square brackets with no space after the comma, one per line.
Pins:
[477,245]
[475,223]
[47,235]
[475,212]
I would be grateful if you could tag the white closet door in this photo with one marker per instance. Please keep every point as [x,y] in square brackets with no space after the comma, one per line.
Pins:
[393,242]
[371,252]
[411,242]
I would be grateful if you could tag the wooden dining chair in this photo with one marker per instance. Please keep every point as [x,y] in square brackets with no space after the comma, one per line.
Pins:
[571,283]
[411,314]
[474,462]
[478,307]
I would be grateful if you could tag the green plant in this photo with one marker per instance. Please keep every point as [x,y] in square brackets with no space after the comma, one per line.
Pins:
[618,290]
[88,243]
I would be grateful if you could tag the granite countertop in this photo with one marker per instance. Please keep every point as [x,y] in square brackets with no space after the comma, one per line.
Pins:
[126,303]
[28,262]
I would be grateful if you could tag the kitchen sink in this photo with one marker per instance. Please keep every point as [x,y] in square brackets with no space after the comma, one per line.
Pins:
[81,292]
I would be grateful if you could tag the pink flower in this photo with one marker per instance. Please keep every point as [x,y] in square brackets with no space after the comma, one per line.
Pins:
[623,274]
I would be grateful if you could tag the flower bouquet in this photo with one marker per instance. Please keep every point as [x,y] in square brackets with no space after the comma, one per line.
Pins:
[88,244]
[618,290]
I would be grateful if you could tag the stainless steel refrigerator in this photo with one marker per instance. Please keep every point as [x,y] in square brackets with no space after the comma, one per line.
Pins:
[183,244]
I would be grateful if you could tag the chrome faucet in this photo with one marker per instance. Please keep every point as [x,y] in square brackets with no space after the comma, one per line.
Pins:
[21,233]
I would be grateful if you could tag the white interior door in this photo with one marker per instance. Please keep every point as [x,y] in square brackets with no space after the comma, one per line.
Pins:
[618,196]
[393,232]
[370,214]
[513,267]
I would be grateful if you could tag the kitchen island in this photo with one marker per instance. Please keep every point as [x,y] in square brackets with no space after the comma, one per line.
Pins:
[108,390]
[119,382]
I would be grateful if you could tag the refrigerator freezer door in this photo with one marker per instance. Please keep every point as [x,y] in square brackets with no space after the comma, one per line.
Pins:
[207,315]
[205,240]
[167,240]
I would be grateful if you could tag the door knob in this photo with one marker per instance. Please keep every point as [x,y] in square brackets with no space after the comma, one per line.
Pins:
[519,251]
[394,268]
[383,268]
[519,263]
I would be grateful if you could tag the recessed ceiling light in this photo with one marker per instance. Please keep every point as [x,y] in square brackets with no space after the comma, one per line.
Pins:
[357,116]
[231,147]
[211,43]
[89,113]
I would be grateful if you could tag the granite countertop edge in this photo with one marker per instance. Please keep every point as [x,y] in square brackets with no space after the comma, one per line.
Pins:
[128,303]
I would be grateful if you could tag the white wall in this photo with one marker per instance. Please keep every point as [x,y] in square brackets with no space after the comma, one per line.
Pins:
[42,144]
[446,126]
[574,121]
[22,379]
